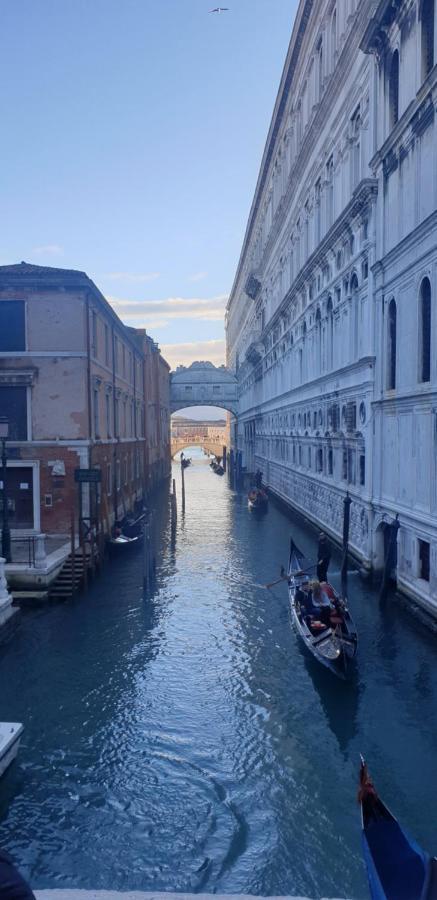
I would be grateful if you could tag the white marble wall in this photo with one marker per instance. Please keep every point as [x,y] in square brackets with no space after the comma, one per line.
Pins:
[344,221]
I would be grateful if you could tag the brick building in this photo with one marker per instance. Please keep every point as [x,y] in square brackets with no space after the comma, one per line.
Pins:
[79,390]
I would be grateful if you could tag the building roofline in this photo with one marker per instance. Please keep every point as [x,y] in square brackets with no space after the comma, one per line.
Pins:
[299,27]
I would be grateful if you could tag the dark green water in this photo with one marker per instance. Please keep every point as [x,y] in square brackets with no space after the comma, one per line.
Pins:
[185,742]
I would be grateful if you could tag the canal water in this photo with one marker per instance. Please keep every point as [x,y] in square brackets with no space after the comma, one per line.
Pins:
[185,742]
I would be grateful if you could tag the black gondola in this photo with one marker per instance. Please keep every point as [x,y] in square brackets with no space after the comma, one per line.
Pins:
[333,645]
[257,499]
[397,867]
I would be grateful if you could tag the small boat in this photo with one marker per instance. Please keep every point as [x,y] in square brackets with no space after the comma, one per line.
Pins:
[257,499]
[10,736]
[397,867]
[333,645]
[123,543]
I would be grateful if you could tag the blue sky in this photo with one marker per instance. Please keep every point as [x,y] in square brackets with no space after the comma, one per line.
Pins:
[132,133]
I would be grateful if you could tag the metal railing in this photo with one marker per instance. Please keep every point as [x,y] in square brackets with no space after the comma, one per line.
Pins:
[23,550]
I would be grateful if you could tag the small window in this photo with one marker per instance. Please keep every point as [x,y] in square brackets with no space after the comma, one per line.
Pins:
[424,560]
[362,469]
[106,345]
[344,466]
[309,457]
[427,23]
[13,406]
[425,331]
[48,501]
[94,332]
[319,460]
[394,89]
[392,326]
[188,388]
[330,462]
[12,325]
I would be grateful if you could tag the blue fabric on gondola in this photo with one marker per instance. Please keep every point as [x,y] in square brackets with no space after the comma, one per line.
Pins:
[396,865]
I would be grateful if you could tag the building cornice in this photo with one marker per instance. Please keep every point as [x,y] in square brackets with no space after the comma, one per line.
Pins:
[322,111]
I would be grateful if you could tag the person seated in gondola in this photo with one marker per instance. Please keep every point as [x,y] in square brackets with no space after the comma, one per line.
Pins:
[322,602]
[305,600]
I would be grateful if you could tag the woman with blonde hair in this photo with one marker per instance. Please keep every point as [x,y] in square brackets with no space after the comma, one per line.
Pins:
[321,601]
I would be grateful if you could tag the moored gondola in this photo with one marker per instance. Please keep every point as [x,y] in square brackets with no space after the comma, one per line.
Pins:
[397,867]
[257,499]
[332,642]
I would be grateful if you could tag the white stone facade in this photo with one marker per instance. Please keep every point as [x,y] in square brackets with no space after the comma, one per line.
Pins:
[332,317]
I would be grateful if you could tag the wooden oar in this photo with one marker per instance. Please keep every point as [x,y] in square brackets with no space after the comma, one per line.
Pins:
[286,577]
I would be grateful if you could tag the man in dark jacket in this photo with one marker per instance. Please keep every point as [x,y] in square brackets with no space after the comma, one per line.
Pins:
[323,557]
[12,885]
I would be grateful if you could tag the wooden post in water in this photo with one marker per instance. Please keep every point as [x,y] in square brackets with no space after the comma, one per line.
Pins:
[146,560]
[73,556]
[224,457]
[173,506]
[183,485]
[346,522]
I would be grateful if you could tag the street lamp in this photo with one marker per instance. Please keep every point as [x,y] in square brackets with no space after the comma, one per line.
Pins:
[6,534]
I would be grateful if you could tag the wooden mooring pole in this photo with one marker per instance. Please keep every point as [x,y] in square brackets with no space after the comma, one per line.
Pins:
[173,506]
[183,485]
[224,462]
[346,523]
[73,555]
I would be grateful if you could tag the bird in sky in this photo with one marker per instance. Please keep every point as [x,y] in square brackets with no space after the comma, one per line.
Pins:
[220,9]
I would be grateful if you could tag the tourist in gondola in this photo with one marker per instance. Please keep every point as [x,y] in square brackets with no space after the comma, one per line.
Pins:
[304,598]
[323,557]
[321,602]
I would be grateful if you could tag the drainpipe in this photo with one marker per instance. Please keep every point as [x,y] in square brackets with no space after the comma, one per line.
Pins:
[87,487]
[114,424]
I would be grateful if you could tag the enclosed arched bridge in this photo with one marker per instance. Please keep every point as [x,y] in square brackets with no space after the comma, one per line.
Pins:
[203,384]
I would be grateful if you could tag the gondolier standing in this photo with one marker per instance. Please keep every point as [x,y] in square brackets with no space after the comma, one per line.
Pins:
[323,557]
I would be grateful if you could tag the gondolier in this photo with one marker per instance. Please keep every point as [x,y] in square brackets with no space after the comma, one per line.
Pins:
[323,557]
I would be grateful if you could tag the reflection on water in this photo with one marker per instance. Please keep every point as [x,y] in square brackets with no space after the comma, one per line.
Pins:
[184,741]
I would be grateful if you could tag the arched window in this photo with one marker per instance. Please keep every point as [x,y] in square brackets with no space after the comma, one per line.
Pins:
[356,148]
[319,70]
[354,316]
[330,335]
[333,39]
[425,331]
[391,362]
[330,192]
[393,84]
[427,16]
[318,341]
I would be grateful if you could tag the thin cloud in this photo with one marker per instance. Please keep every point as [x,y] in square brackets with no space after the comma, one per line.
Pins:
[150,312]
[184,354]
[134,277]
[198,276]
[48,250]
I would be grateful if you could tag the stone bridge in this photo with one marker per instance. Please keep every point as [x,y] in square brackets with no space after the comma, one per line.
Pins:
[203,384]
[179,443]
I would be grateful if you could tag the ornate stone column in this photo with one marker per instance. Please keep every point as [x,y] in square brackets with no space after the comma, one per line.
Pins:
[6,608]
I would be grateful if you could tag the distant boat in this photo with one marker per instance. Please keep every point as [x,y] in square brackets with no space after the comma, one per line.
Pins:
[333,645]
[258,499]
[185,463]
[397,867]
[122,543]
[10,736]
